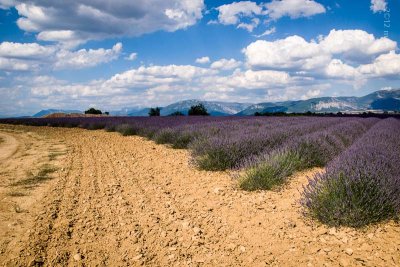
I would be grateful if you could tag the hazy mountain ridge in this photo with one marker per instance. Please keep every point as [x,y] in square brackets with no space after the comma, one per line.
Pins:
[216,108]
[379,100]
[51,111]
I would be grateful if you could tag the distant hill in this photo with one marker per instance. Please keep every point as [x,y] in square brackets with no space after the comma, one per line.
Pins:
[383,100]
[46,112]
[140,112]
[386,100]
[213,107]
[125,111]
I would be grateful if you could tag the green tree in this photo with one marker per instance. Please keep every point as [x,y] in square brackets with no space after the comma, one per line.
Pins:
[93,111]
[198,110]
[154,112]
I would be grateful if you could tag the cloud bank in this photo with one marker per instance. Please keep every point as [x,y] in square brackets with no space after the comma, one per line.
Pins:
[35,57]
[75,22]
[278,70]
[248,15]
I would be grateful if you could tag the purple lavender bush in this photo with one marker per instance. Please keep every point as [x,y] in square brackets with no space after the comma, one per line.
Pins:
[126,129]
[181,136]
[226,150]
[362,186]
[316,149]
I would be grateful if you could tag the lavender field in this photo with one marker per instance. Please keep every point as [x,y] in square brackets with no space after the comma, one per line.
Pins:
[361,184]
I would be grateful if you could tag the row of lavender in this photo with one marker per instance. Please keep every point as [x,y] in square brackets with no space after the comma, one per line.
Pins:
[362,185]
[316,149]
[189,136]
[140,125]
[227,149]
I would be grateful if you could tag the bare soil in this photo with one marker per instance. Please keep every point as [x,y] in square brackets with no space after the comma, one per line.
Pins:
[125,201]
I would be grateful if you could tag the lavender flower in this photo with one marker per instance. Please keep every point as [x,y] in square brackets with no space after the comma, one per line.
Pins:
[362,186]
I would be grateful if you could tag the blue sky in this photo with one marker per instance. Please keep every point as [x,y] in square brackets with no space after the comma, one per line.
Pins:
[154,52]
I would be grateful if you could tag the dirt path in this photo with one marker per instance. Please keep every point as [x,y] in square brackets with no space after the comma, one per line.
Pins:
[124,201]
[8,146]
[28,162]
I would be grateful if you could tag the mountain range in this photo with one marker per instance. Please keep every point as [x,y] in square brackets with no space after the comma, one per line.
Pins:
[383,100]
[45,112]
[213,107]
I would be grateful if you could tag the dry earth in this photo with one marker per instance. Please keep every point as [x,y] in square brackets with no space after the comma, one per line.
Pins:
[125,201]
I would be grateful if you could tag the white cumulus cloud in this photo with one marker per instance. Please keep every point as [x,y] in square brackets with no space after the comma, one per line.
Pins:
[384,65]
[24,56]
[8,64]
[131,57]
[255,79]
[288,53]
[337,69]
[6,4]
[355,43]
[33,57]
[347,56]
[203,60]
[74,22]
[248,15]
[230,14]
[25,50]
[293,8]
[249,26]
[156,75]
[226,64]
[378,5]
[86,58]
[294,52]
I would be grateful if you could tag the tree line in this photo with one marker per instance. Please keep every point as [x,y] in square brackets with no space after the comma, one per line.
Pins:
[195,110]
